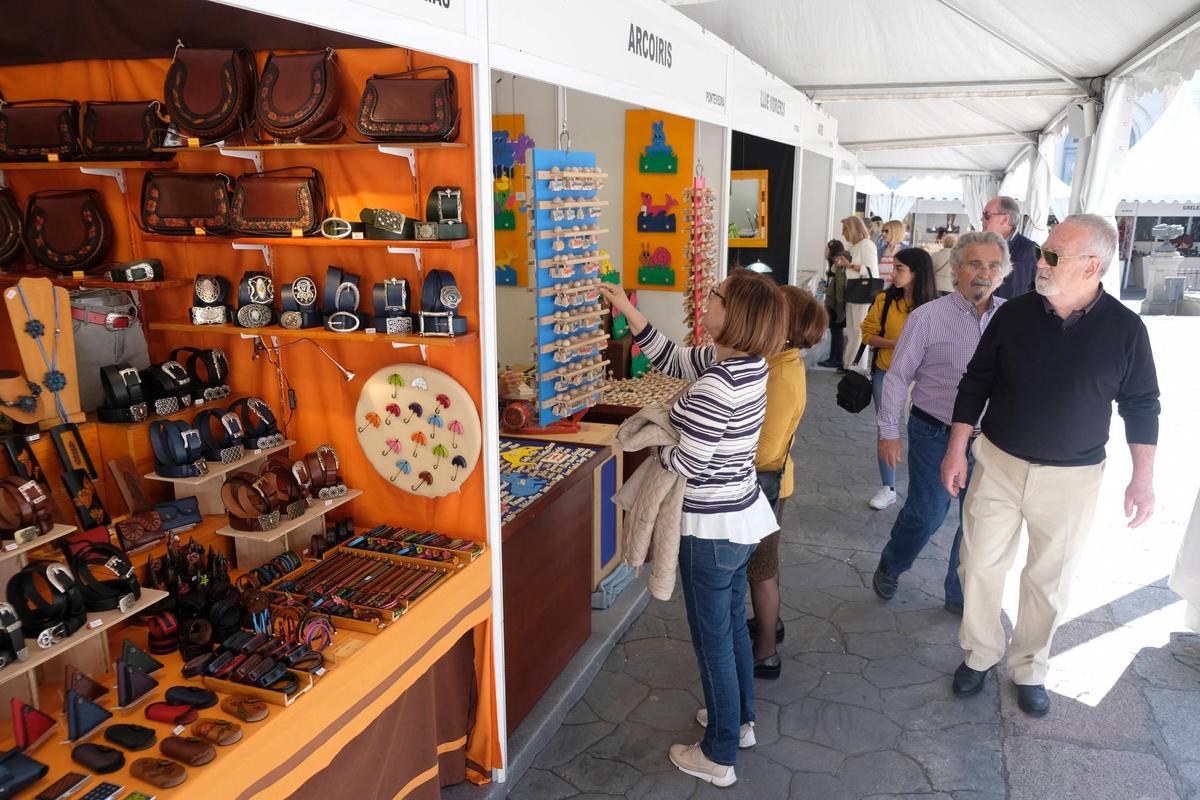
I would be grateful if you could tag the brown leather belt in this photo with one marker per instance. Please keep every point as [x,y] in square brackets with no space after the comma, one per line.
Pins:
[251,501]
[30,501]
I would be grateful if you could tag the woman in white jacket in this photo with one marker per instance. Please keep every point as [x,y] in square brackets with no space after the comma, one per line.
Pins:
[862,260]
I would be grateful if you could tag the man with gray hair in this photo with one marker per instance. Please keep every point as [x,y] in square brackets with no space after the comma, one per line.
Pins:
[937,342]
[1002,215]
[1048,369]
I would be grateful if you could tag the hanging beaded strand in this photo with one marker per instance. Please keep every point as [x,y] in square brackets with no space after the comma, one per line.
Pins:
[55,381]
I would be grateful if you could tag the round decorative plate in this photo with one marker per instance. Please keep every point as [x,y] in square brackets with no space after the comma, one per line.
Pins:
[419,428]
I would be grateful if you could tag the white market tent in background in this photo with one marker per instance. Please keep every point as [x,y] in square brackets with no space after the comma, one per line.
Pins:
[1016,185]
[1164,166]
[971,87]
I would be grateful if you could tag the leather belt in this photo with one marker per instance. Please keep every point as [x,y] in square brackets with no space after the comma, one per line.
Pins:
[225,445]
[47,621]
[299,302]
[111,320]
[256,292]
[258,422]
[207,383]
[209,306]
[250,501]
[925,416]
[146,269]
[124,400]
[167,387]
[30,505]
[105,594]
[178,452]
[440,299]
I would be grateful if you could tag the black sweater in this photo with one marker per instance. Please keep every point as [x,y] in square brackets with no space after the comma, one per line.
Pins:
[1049,390]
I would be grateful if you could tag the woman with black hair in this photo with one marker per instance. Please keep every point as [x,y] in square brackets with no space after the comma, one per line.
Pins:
[912,284]
[835,301]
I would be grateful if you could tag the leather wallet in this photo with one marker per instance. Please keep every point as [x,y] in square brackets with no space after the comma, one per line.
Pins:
[17,771]
[132,654]
[131,737]
[83,716]
[99,758]
[160,773]
[175,715]
[30,726]
[178,513]
[132,684]
[83,684]
[191,696]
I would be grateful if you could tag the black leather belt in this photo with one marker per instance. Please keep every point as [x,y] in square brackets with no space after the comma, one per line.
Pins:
[443,215]
[925,416]
[140,271]
[178,452]
[167,387]
[210,295]
[382,223]
[208,371]
[225,445]
[105,594]
[258,422]
[256,292]
[440,299]
[391,301]
[341,302]
[47,621]
[299,302]
[123,397]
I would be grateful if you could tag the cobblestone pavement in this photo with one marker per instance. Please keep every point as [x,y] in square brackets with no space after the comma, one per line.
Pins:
[863,708]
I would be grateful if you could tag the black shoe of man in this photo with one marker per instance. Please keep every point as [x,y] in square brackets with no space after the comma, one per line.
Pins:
[884,584]
[1033,700]
[968,682]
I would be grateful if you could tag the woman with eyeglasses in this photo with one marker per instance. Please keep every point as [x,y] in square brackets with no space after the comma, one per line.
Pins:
[912,286]
[725,515]
[861,261]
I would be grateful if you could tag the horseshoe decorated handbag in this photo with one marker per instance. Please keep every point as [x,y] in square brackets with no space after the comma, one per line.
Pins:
[209,93]
[10,226]
[404,107]
[297,97]
[279,202]
[67,230]
[39,130]
[124,130]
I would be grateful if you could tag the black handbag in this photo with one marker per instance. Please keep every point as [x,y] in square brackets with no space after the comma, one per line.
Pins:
[17,771]
[854,390]
[863,290]
[10,227]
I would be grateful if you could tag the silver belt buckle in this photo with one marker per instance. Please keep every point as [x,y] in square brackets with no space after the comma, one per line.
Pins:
[52,636]
[111,318]
[139,272]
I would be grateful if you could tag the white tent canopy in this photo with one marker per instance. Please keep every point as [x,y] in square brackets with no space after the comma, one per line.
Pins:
[932,187]
[956,85]
[1162,166]
[1016,186]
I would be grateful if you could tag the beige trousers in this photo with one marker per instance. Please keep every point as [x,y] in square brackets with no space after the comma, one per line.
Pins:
[1057,505]
[855,314]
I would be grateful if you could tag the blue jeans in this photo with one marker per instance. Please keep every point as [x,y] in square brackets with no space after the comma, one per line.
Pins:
[714,590]
[886,473]
[926,505]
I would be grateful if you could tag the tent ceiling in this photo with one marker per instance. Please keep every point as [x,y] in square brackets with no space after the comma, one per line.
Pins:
[1012,69]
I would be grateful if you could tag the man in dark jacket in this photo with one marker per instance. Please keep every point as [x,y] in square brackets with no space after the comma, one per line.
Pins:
[1002,215]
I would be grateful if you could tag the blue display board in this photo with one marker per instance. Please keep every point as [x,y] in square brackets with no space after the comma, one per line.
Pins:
[570,338]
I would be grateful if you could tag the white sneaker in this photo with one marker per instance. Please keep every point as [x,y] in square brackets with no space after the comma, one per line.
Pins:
[747,738]
[883,498]
[691,760]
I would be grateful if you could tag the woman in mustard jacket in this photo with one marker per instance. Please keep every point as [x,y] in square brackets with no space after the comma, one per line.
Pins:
[786,394]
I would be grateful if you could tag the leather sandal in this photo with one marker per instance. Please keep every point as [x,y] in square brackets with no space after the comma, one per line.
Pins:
[218,731]
[245,708]
[188,749]
[158,772]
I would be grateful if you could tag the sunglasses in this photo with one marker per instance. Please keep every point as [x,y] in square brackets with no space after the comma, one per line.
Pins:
[714,293]
[1052,258]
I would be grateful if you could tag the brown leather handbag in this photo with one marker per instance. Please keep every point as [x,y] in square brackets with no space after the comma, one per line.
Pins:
[10,226]
[209,93]
[140,530]
[67,230]
[185,202]
[123,130]
[278,202]
[297,97]
[35,130]
[404,107]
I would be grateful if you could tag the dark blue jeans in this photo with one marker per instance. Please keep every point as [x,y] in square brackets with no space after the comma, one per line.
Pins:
[714,590]
[926,505]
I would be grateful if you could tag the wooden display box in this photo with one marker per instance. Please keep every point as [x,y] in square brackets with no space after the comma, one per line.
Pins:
[266,695]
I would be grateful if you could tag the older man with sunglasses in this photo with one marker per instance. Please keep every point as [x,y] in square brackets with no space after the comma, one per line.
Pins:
[1002,215]
[1048,369]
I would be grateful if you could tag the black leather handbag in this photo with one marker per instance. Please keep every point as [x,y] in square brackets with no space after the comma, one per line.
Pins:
[863,290]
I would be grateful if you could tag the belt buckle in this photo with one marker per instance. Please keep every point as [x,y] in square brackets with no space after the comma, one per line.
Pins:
[138,412]
[113,317]
[52,636]
[139,272]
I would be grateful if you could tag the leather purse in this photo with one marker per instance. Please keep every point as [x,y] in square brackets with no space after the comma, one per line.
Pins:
[30,726]
[184,203]
[67,230]
[863,290]
[10,226]
[208,92]
[35,130]
[179,513]
[123,130]
[278,202]
[141,530]
[99,758]
[404,107]
[18,771]
[297,97]
[75,543]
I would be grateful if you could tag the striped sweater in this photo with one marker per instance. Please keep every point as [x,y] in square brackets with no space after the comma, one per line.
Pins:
[718,418]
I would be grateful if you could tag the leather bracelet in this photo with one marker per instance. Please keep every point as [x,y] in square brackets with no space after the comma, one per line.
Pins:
[287,685]
[195,666]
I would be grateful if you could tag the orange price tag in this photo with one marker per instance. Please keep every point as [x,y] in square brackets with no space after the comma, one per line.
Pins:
[192,141]
[297,233]
[52,157]
[78,274]
[199,231]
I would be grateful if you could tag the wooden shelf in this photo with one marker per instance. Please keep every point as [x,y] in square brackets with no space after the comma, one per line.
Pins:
[550,205]
[317,509]
[572,234]
[43,165]
[57,532]
[11,278]
[284,147]
[546,174]
[314,333]
[311,241]
[217,469]
[97,624]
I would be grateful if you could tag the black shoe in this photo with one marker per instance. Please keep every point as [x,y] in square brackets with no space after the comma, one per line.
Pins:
[830,363]
[954,608]
[753,626]
[884,584]
[967,681]
[1033,700]
[768,668]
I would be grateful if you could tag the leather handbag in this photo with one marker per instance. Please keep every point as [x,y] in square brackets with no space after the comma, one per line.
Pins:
[297,97]
[67,230]
[185,203]
[863,290]
[124,130]
[179,513]
[39,130]
[99,758]
[142,529]
[405,107]
[209,93]
[10,226]
[18,771]
[854,391]
[278,202]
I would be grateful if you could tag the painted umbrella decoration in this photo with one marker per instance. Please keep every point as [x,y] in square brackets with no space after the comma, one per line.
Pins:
[393,410]
[423,477]
[419,383]
[397,382]
[458,462]
[439,452]
[435,422]
[456,430]
[443,402]
[402,468]
[416,411]
[419,441]
[393,446]
[372,421]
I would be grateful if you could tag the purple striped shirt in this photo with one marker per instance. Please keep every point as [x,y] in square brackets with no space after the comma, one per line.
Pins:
[935,347]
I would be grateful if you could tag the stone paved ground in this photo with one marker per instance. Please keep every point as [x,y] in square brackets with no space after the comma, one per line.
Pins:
[863,709]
